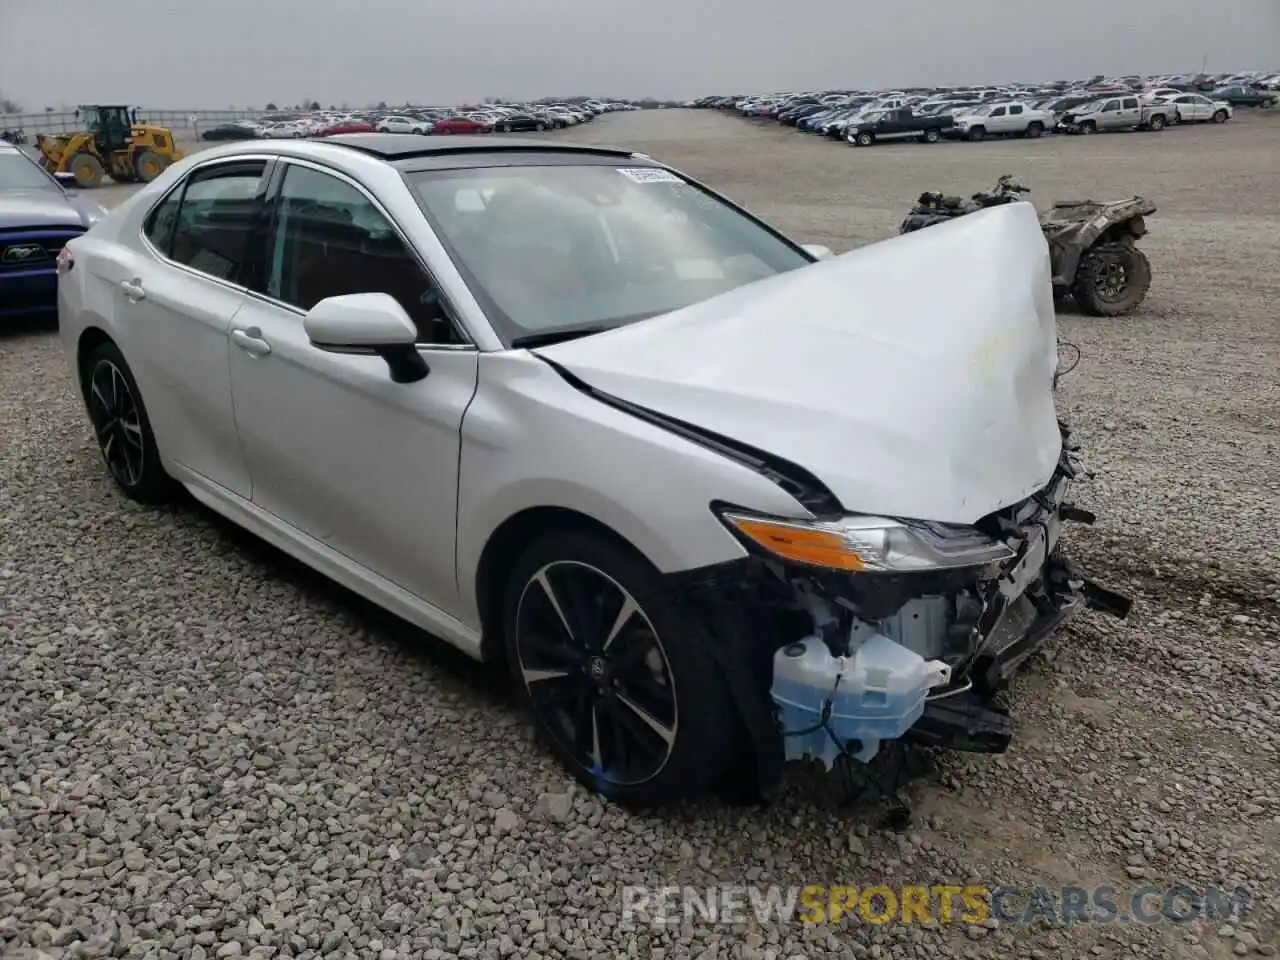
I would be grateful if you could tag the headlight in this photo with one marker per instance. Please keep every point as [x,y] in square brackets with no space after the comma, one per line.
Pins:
[870,544]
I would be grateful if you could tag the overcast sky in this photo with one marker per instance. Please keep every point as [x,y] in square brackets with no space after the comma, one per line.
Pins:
[188,53]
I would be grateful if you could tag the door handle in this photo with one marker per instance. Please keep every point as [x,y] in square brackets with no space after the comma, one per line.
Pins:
[251,342]
[133,290]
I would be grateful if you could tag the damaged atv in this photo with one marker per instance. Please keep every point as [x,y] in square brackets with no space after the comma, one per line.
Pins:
[1092,243]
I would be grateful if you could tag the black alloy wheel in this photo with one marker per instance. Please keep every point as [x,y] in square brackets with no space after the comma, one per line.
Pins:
[117,424]
[1113,279]
[596,673]
[618,674]
[122,427]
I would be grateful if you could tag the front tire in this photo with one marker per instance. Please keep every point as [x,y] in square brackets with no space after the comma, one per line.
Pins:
[87,169]
[977,134]
[1112,279]
[1220,116]
[618,680]
[122,427]
[931,136]
[864,139]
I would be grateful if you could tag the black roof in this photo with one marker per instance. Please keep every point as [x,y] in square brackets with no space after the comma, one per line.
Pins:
[402,146]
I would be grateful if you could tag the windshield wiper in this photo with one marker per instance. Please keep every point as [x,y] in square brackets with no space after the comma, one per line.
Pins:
[548,337]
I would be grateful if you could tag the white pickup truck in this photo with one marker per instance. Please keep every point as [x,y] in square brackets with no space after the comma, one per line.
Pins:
[1014,118]
[1118,113]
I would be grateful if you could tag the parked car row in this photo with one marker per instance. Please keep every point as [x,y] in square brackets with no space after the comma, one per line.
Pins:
[501,118]
[864,117]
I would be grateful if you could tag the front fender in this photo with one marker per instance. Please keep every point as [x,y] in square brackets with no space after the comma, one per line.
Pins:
[530,439]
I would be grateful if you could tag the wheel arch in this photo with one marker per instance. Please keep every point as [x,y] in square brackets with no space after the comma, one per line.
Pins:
[91,338]
[502,549]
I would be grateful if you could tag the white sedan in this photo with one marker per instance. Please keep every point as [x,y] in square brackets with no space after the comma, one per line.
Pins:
[1197,108]
[713,503]
[402,125]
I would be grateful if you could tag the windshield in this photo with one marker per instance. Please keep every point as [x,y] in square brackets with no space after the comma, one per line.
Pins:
[981,111]
[19,173]
[1091,107]
[550,250]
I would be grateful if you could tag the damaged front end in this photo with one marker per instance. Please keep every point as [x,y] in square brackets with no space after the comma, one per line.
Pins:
[911,633]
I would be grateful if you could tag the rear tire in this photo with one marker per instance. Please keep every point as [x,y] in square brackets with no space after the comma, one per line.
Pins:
[1034,130]
[122,427]
[148,165]
[87,169]
[1112,279]
[631,703]
[1157,123]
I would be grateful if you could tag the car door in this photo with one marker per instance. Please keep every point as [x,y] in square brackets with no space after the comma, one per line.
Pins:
[893,124]
[335,449]
[1109,117]
[998,120]
[175,307]
[1198,107]
[1131,111]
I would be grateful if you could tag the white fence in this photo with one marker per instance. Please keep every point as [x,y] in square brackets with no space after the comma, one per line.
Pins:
[176,120]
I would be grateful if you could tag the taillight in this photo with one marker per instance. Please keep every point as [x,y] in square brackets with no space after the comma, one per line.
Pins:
[65,261]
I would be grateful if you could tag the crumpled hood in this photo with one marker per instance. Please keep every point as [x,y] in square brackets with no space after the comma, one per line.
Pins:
[914,377]
[38,208]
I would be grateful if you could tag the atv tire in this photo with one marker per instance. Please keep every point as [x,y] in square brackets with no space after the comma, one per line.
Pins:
[1112,279]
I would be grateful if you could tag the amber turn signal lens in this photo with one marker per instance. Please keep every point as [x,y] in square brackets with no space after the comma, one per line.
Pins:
[823,548]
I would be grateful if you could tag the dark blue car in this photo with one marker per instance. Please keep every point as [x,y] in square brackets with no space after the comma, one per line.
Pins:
[37,216]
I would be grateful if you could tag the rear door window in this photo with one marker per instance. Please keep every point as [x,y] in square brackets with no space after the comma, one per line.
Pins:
[215,220]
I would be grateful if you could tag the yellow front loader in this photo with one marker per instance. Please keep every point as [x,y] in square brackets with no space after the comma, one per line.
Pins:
[112,144]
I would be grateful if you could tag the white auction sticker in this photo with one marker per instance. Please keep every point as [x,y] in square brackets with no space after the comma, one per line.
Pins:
[649,175]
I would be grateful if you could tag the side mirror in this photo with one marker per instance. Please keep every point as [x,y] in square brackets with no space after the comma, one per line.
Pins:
[368,323]
[818,251]
[65,178]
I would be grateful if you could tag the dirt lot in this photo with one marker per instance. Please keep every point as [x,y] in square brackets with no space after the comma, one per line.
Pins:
[202,745]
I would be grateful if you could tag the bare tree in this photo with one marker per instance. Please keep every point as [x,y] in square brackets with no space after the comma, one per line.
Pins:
[9,106]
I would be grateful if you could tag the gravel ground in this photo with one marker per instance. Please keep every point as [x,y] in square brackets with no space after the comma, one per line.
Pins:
[206,751]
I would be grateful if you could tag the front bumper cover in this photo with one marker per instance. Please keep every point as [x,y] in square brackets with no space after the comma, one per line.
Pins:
[1038,592]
